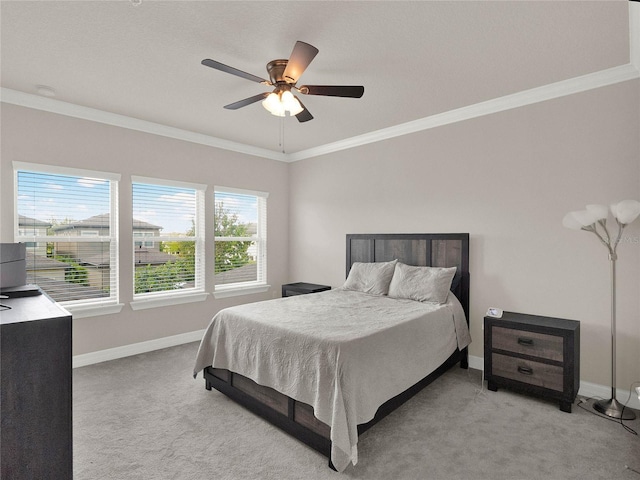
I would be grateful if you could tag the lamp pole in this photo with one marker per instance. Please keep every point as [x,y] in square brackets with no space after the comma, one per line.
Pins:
[589,220]
[611,407]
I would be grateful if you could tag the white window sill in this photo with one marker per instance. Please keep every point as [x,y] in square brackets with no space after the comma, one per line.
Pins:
[167,300]
[224,292]
[83,311]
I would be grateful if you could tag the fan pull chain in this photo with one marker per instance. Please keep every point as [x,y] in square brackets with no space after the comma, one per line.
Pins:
[281,144]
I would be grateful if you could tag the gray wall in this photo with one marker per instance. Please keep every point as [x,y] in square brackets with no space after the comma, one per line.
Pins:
[507,179]
[46,138]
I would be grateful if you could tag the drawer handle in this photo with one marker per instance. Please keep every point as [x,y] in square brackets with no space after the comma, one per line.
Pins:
[525,370]
[526,342]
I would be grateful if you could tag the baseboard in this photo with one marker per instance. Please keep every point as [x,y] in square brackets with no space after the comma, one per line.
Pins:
[587,389]
[135,348]
[477,363]
[593,390]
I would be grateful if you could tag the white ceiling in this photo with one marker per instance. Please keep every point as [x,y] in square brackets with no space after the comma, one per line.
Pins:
[415,59]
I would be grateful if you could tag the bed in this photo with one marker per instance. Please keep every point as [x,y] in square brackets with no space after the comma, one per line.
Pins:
[325,367]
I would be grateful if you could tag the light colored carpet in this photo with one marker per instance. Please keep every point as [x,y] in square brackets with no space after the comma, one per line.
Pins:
[145,417]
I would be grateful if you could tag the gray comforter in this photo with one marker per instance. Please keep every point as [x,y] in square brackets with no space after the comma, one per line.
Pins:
[343,352]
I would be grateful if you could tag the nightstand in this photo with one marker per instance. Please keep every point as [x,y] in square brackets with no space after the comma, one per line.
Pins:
[533,354]
[301,288]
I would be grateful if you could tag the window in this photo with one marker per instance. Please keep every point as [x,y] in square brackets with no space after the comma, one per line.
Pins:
[168,239]
[68,219]
[240,230]
[140,243]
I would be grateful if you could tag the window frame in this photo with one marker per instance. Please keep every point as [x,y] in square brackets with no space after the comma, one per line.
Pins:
[259,285]
[87,307]
[179,296]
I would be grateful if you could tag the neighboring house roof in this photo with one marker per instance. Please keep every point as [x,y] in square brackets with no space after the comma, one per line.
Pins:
[252,228]
[152,257]
[142,257]
[246,273]
[32,222]
[59,290]
[102,221]
[97,221]
[142,225]
[62,291]
[43,263]
[98,260]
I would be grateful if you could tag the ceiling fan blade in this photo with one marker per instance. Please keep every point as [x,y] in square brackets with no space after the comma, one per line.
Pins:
[352,91]
[246,101]
[234,71]
[304,115]
[299,60]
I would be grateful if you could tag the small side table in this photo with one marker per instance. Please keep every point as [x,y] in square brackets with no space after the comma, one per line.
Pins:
[302,288]
[534,354]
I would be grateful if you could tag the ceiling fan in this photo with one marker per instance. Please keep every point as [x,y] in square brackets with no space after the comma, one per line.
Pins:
[283,75]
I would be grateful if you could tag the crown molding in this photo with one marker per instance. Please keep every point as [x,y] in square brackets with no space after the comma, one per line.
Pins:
[563,88]
[584,83]
[52,105]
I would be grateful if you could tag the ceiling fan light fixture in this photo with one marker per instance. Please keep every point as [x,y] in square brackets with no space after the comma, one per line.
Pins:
[280,103]
[284,75]
[290,103]
[273,104]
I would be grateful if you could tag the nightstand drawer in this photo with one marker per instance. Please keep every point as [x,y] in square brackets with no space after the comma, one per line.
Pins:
[534,373]
[528,343]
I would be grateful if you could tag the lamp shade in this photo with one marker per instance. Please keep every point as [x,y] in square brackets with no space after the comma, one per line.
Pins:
[626,211]
[570,221]
[291,103]
[600,212]
[278,103]
[579,219]
[273,104]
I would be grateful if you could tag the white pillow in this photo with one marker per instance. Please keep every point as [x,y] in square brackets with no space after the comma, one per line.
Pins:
[424,284]
[373,278]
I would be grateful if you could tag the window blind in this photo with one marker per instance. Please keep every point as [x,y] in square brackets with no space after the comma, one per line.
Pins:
[240,231]
[167,237]
[68,220]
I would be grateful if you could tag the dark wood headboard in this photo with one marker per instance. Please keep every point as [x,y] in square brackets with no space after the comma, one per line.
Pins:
[420,249]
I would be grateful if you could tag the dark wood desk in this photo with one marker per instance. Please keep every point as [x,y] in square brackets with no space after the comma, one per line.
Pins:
[36,437]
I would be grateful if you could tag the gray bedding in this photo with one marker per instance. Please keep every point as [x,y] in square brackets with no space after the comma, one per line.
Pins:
[343,352]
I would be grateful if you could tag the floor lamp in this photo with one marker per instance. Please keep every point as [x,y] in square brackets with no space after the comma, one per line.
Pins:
[594,219]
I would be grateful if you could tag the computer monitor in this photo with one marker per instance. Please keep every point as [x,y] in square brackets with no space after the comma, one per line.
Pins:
[13,265]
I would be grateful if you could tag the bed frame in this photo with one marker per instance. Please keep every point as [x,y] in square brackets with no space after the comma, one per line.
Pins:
[297,418]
